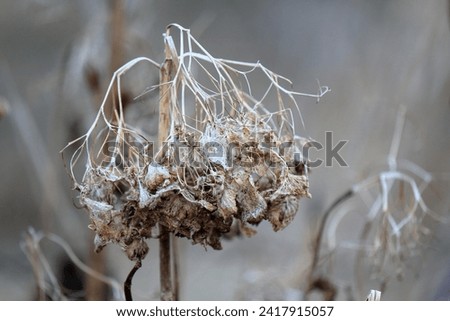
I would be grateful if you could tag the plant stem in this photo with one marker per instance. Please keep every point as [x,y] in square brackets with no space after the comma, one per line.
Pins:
[318,241]
[117,23]
[128,281]
[176,280]
[163,133]
[95,289]
[165,266]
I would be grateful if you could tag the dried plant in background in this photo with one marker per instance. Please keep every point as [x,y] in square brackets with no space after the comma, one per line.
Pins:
[395,219]
[223,162]
[47,282]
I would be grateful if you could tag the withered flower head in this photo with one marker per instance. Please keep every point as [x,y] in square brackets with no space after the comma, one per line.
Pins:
[225,166]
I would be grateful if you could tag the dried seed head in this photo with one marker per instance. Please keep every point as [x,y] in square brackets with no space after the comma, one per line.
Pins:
[222,169]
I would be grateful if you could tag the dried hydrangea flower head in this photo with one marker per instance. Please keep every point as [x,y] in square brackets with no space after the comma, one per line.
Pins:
[224,162]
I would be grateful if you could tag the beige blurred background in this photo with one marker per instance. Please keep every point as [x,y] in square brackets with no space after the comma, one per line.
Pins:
[374,55]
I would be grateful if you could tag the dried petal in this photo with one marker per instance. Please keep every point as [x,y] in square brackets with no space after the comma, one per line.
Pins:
[156,175]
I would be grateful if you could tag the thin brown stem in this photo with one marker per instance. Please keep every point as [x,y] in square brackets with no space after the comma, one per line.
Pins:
[176,279]
[117,34]
[163,133]
[318,241]
[360,256]
[96,290]
[164,103]
[164,265]
[128,281]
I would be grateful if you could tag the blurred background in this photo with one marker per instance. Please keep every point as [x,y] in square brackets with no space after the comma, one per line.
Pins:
[56,60]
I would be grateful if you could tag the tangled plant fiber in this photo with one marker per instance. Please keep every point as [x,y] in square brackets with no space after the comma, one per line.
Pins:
[223,163]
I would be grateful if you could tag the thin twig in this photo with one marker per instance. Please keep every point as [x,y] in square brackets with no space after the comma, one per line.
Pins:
[163,132]
[165,269]
[117,34]
[95,290]
[128,281]
[395,144]
[176,278]
[319,236]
